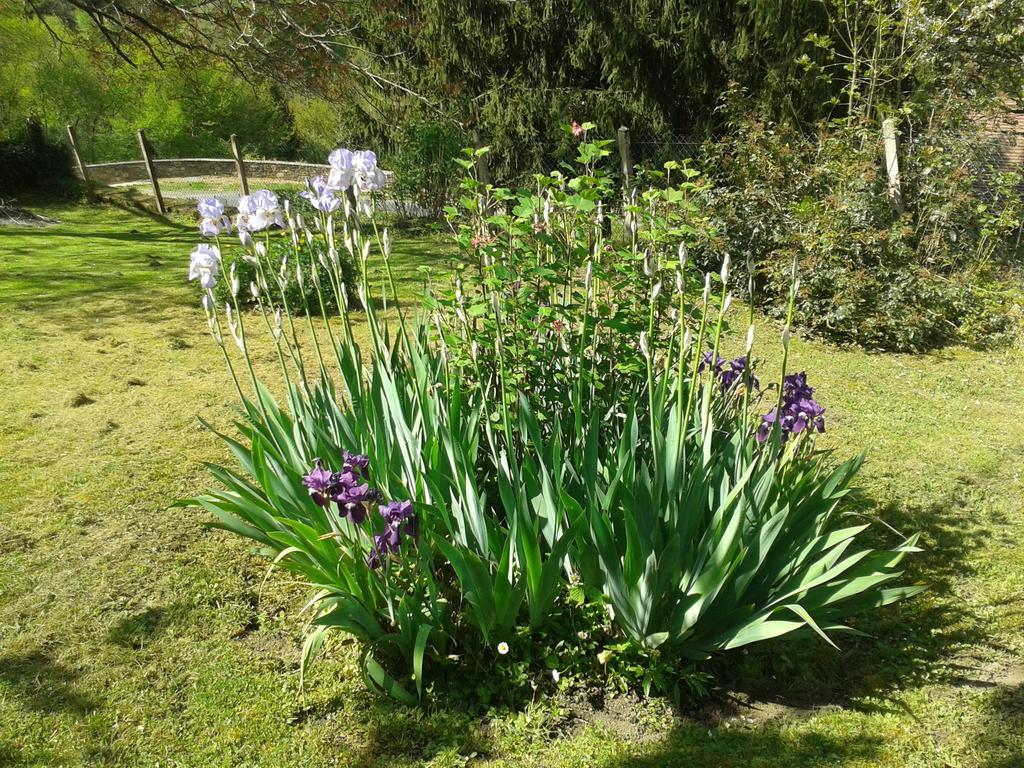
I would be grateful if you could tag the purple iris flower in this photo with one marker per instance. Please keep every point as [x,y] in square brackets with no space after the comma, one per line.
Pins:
[352,497]
[357,463]
[736,373]
[799,410]
[348,488]
[319,481]
[399,520]
[728,374]
[710,360]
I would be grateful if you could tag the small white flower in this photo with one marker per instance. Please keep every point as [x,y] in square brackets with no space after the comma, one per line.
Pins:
[503,648]
[725,269]
[205,265]
[556,675]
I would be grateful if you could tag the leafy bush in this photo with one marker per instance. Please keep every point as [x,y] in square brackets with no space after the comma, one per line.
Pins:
[425,171]
[28,162]
[471,532]
[870,276]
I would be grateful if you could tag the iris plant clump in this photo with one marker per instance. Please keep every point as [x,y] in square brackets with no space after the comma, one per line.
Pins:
[543,469]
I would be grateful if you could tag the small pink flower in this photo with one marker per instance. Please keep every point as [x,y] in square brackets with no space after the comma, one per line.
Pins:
[577,129]
[480,241]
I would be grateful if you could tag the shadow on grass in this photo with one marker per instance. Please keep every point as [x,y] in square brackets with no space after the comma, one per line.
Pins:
[139,628]
[692,747]
[11,755]
[404,734]
[41,684]
[906,643]
[1001,740]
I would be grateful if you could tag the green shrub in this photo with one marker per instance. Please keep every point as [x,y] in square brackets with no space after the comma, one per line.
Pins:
[870,276]
[30,163]
[474,533]
[426,174]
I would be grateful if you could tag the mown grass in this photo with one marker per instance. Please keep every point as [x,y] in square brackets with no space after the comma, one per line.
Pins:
[132,635]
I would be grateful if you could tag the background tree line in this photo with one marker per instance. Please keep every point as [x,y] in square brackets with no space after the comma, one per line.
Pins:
[780,102]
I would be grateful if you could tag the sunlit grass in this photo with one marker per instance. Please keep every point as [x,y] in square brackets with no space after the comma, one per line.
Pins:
[132,635]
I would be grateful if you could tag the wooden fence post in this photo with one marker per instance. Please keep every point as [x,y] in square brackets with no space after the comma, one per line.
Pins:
[144,147]
[892,164]
[483,173]
[625,156]
[82,169]
[236,151]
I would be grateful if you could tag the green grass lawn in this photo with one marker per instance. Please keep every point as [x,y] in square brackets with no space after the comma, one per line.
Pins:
[132,635]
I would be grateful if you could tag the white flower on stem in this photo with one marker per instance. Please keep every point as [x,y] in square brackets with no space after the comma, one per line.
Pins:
[235,284]
[683,255]
[656,291]
[340,176]
[679,282]
[386,243]
[233,327]
[650,263]
[687,339]
[259,211]
[556,675]
[213,227]
[207,301]
[277,323]
[245,238]
[503,648]
[725,269]
[785,337]
[707,287]
[210,208]
[254,290]
[645,350]
[205,265]
[727,303]
[261,249]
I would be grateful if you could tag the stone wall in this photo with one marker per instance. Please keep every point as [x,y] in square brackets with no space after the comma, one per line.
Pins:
[134,171]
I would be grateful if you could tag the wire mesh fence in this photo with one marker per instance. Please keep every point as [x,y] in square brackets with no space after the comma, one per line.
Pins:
[653,148]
